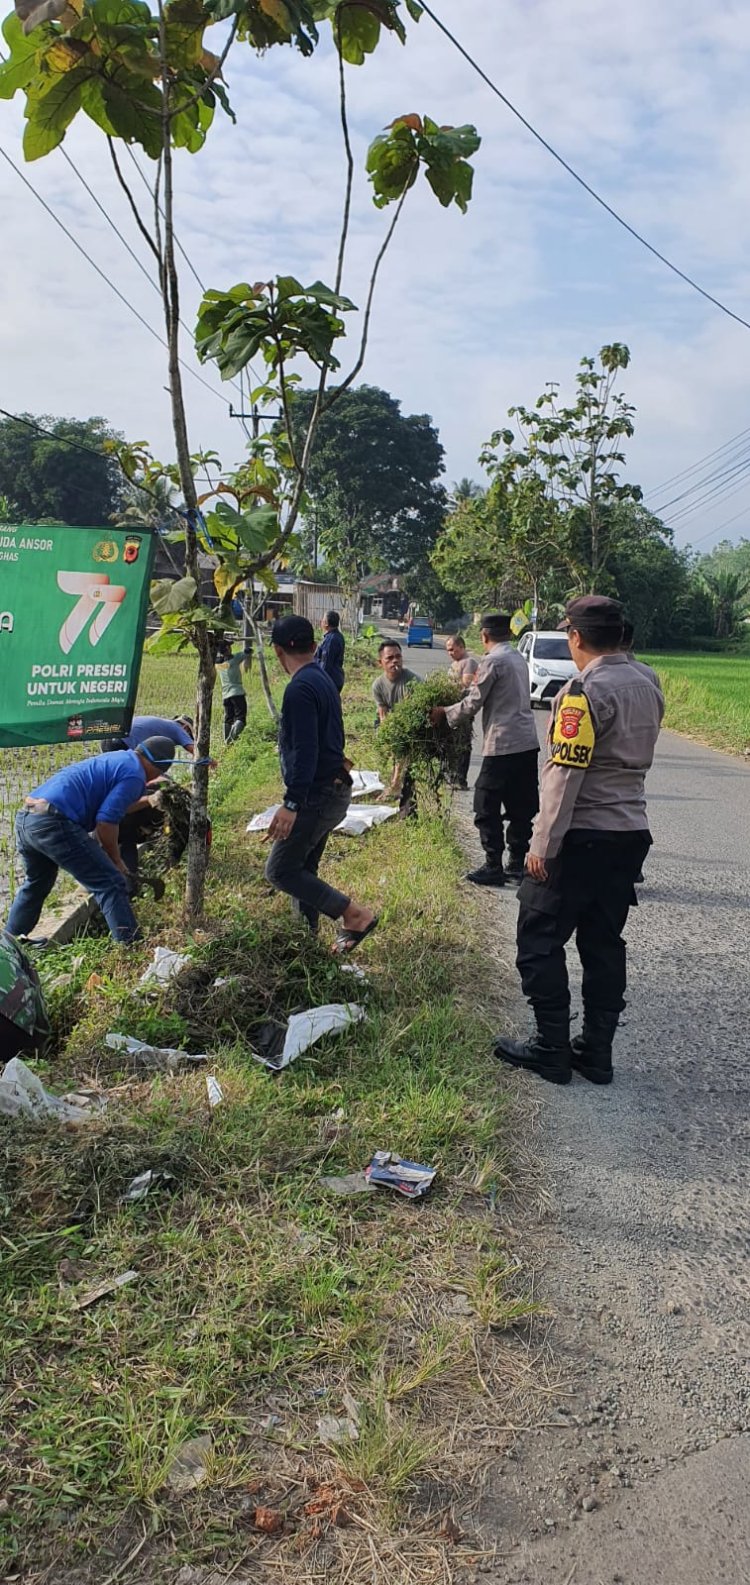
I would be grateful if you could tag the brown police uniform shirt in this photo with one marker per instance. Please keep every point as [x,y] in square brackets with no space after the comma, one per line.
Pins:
[602,737]
[501,691]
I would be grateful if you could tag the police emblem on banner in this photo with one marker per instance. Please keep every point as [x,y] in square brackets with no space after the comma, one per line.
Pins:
[573,737]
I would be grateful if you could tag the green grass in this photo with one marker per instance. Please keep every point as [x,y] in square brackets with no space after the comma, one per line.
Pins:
[260,1293]
[707,696]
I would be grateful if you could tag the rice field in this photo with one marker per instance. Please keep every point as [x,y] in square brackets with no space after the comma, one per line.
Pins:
[167,688]
[708,697]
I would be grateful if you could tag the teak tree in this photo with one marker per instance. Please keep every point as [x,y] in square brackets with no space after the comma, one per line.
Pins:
[146,77]
[575,453]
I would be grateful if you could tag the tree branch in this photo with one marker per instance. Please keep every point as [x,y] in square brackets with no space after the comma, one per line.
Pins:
[349,160]
[142,227]
[211,76]
[351,377]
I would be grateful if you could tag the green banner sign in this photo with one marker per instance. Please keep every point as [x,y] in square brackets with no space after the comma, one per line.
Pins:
[73,605]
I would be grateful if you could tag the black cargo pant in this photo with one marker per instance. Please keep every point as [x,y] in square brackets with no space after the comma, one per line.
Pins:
[507,787]
[235,715]
[293,864]
[589,891]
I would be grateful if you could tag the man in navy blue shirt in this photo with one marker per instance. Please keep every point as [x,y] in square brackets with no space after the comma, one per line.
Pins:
[330,653]
[71,823]
[179,728]
[318,786]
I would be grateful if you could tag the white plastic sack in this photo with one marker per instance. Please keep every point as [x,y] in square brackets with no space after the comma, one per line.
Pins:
[354,824]
[163,1058]
[304,1029]
[22,1094]
[365,783]
[165,966]
[357,821]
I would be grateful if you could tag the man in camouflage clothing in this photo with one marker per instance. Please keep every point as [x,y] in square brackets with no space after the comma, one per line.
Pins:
[23,1016]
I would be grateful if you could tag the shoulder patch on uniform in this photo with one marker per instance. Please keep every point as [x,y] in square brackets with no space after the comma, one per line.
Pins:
[573,738]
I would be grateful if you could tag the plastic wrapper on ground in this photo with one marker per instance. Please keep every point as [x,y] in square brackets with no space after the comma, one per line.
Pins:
[22,1094]
[162,1059]
[301,1032]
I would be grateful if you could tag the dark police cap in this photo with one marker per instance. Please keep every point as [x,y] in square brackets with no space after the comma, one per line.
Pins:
[293,633]
[157,750]
[595,613]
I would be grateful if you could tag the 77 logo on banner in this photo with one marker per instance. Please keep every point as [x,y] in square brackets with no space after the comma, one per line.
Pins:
[98,603]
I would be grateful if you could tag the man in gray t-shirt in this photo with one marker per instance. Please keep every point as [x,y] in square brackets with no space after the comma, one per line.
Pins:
[387,690]
[395,680]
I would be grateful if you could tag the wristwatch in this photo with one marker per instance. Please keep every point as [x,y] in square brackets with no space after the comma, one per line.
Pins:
[291,806]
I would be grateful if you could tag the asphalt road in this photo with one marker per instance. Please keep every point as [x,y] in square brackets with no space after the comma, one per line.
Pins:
[642,1253]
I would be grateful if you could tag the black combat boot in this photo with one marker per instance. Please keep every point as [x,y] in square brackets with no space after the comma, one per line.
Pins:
[547,1053]
[516,862]
[592,1049]
[488,875]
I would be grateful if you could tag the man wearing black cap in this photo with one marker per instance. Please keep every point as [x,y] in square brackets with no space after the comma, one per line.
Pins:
[589,843]
[317,783]
[58,824]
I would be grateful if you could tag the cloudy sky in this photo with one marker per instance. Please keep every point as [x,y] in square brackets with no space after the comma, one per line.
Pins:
[649,102]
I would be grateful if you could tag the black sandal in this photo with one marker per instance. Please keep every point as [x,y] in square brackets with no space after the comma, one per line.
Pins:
[347,940]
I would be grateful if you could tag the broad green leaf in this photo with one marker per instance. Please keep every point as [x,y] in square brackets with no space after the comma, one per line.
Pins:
[50,112]
[169,596]
[227,576]
[20,69]
[166,642]
[128,108]
[358,31]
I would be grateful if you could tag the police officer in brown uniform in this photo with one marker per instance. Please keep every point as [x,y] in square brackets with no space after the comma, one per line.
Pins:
[589,842]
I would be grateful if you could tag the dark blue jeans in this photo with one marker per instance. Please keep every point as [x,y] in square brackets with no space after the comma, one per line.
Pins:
[50,842]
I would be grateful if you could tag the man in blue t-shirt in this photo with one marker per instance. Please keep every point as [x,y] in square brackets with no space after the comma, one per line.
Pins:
[71,823]
[318,786]
[179,729]
[330,652]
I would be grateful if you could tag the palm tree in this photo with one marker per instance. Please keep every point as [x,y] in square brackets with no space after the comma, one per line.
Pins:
[465,490]
[730,596]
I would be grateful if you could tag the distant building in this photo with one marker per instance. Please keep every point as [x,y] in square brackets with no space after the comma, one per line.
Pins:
[382,595]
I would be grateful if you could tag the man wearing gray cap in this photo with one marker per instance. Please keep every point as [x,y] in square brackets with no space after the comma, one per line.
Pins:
[71,823]
[589,842]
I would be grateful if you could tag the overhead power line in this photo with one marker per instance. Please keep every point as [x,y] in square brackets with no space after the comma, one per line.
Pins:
[743,512]
[696,466]
[708,481]
[105,277]
[597,197]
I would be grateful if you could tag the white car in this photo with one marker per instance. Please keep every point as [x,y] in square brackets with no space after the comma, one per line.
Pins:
[548,658]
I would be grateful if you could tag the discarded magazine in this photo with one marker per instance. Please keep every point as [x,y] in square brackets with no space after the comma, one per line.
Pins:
[409,1178]
[386,1171]
[276,1044]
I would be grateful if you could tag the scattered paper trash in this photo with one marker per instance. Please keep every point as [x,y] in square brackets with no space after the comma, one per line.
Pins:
[101,1289]
[355,969]
[353,1183]
[161,1058]
[215,1092]
[354,824]
[22,1094]
[332,1431]
[262,821]
[365,783]
[189,1466]
[302,1031]
[166,965]
[142,1185]
[409,1178]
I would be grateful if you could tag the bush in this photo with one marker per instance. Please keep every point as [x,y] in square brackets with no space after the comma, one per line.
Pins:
[407,736]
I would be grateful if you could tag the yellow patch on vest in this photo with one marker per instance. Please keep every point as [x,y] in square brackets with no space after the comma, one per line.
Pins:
[573,737]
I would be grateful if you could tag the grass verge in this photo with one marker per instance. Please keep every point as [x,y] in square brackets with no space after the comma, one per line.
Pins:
[263,1303]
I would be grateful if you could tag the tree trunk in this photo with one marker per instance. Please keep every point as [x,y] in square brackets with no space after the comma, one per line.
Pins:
[197,849]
